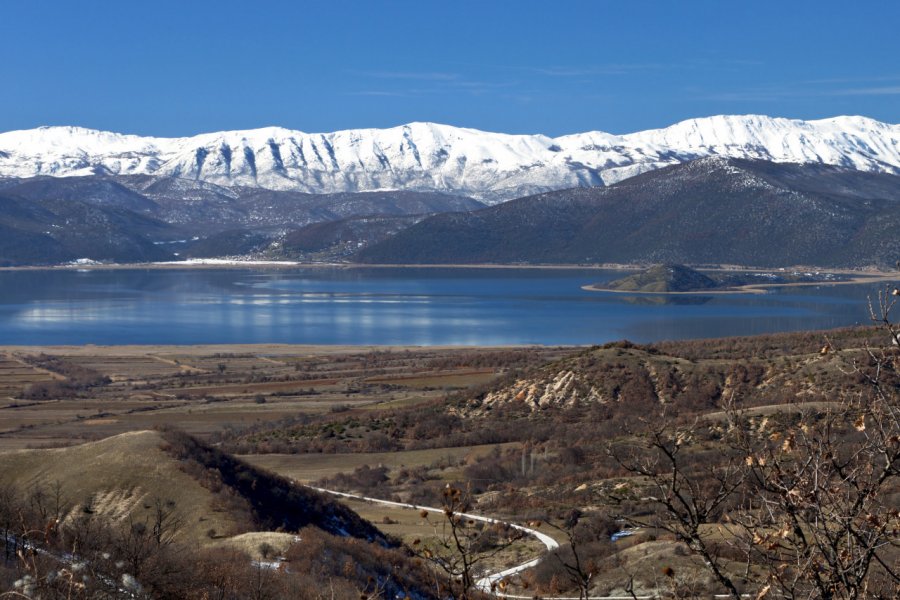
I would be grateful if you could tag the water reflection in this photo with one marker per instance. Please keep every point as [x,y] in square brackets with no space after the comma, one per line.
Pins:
[659,300]
[387,306]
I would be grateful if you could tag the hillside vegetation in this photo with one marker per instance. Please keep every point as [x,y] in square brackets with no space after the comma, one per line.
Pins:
[648,463]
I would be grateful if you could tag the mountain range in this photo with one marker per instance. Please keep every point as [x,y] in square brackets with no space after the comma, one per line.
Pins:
[428,157]
[139,218]
[708,211]
[749,190]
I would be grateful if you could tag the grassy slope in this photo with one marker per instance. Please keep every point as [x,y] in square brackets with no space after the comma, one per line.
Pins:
[122,477]
[119,476]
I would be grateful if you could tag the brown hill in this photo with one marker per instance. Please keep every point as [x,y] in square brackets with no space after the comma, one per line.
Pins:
[212,494]
[162,515]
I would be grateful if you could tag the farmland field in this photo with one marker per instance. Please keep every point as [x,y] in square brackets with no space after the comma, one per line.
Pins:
[52,396]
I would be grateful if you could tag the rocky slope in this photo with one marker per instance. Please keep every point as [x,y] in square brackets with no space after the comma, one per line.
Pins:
[622,377]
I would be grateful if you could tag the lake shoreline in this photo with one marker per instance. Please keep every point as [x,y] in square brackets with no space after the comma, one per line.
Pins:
[258,348]
[856,278]
[864,273]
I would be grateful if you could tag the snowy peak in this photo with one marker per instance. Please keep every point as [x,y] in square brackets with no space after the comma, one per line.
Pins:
[848,141]
[432,157]
[73,140]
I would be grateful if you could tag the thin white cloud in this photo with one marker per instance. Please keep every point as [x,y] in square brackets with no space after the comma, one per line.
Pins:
[376,93]
[411,75]
[821,88]
[629,68]
[586,71]
[890,90]
[441,86]
[845,80]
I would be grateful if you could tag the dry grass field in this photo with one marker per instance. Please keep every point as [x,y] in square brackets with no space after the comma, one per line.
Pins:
[409,525]
[15,375]
[309,468]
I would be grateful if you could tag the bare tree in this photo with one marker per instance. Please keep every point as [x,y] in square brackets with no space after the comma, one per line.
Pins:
[579,570]
[688,497]
[462,544]
[808,497]
[826,519]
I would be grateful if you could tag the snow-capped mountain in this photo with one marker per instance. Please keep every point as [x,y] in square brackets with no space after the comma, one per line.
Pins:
[430,157]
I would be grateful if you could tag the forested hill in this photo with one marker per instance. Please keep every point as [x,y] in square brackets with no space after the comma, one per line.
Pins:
[711,210]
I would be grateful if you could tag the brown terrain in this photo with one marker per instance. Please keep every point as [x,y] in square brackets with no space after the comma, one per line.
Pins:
[558,438]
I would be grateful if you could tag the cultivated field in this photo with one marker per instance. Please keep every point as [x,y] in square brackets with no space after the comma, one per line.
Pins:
[51,396]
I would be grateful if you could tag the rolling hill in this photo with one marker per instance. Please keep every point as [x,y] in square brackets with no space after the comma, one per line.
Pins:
[337,240]
[50,231]
[214,495]
[167,516]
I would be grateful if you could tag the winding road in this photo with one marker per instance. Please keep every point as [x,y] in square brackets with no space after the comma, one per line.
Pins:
[486,583]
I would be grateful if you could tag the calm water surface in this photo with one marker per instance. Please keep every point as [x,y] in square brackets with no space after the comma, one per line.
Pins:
[387,306]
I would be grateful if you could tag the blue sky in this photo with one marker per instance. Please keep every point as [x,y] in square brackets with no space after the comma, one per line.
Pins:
[180,68]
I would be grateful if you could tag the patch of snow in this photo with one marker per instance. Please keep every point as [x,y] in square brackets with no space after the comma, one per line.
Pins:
[227,261]
[622,534]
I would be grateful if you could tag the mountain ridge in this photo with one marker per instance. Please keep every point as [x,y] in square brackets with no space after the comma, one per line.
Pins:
[138,218]
[422,156]
[708,211]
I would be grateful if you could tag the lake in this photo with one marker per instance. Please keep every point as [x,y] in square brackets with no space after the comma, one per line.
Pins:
[400,306]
